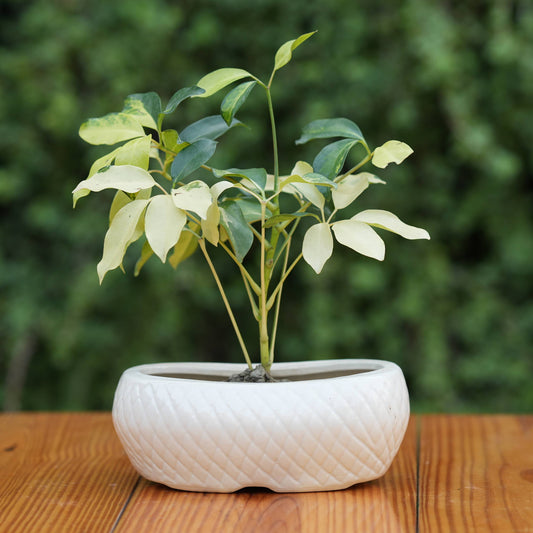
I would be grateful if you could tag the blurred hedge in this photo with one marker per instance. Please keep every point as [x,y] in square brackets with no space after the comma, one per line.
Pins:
[452,79]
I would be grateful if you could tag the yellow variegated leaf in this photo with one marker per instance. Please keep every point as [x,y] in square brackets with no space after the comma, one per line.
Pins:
[146,253]
[210,224]
[214,81]
[317,246]
[284,53]
[111,129]
[120,235]
[185,246]
[135,152]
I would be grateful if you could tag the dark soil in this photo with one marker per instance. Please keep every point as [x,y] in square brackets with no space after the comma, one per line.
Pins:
[256,375]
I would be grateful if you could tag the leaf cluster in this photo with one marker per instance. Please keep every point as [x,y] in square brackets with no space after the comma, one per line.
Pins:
[167,192]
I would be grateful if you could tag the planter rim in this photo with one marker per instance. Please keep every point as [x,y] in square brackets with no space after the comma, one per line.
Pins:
[362,368]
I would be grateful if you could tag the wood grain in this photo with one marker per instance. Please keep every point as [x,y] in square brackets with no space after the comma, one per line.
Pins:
[61,472]
[476,474]
[387,505]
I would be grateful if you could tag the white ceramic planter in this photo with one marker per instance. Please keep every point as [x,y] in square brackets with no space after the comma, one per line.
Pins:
[198,433]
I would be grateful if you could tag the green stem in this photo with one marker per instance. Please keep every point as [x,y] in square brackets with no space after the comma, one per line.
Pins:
[357,167]
[278,304]
[201,243]
[279,286]
[263,313]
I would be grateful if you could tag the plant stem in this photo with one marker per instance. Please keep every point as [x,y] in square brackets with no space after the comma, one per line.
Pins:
[357,167]
[284,276]
[278,303]
[263,313]
[201,243]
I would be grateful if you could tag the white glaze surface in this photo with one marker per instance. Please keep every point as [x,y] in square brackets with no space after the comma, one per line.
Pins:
[321,434]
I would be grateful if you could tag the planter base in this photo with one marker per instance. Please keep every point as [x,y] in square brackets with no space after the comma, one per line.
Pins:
[336,423]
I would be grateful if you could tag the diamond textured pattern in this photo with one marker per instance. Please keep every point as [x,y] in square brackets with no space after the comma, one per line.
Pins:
[315,434]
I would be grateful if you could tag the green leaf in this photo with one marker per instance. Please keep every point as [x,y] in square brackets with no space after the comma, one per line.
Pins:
[218,79]
[284,53]
[180,96]
[185,247]
[111,129]
[146,253]
[237,229]
[234,100]
[311,177]
[170,139]
[390,222]
[146,107]
[349,188]
[163,224]
[258,176]
[317,246]
[331,158]
[330,127]
[207,128]
[286,218]
[119,236]
[126,178]
[301,187]
[391,152]
[195,197]
[359,237]
[191,158]
[251,209]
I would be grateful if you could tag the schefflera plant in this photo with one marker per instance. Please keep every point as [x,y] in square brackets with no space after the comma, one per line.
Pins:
[167,192]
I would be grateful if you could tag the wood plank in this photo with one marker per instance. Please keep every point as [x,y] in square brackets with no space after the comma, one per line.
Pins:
[476,474]
[386,505]
[61,472]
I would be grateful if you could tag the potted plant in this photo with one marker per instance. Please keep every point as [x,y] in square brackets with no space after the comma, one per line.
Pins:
[312,426]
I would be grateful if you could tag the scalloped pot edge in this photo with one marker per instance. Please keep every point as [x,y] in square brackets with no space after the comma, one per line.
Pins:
[183,426]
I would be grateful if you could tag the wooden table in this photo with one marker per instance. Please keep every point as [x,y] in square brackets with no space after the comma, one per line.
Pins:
[67,473]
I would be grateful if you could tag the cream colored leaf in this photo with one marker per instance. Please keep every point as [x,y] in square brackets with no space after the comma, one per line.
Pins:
[119,201]
[348,189]
[307,190]
[163,224]
[359,237]
[219,187]
[390,222]
[317,246]
[126,178]
[391,152]
[119,236]
[301,168]
[195,197]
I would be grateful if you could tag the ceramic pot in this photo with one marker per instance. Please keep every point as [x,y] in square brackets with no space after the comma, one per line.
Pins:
[334,424]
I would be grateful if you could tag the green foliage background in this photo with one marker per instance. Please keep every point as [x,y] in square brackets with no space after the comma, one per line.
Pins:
[452,79]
